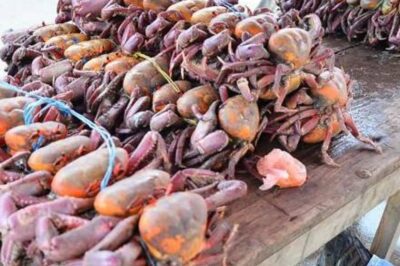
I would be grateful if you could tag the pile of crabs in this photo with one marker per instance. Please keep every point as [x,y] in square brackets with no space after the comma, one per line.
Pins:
[375,21]
[187,88]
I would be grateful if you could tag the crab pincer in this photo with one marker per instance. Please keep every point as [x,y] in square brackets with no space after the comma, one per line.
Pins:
[73,243]
[21,224]
[23,192]
[280,168]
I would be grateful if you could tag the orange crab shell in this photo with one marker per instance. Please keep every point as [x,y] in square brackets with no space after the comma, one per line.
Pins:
[240,118]
[333,90]
[82,177]
[121,65]
[49,31]
[138,3]
[201,97]
[318,134]
[167,95]
[253,26]
[291,45]
[128,196]
[88,49]
[145,76]
[156,5]
[11,113]
[97,64]
[205,15]
[62,42]
[50,157]
[174,227]
[292,82]
[9,120]
[185,9]
[225,20]
[21,138]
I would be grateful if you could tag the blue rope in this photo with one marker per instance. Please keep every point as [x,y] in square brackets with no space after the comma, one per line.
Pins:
[65,109]
[231,7]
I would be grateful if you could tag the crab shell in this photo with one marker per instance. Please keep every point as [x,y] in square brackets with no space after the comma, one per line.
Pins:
[333,88]
[293,82]
[81,178]
[128,196]
[185,9]
[21,138]
[167,94]
[9,104]
[11,113]
[318,134]
[224,21]
[174,227]
[62,42]
[88,49]
[98,63]
[201,97]
[240,118]
[205,15]
[49,31]
[145,76]
[292,46]
[155,5]
[138,3]
[121,65]
[256,24]
[9,120]
[49,157]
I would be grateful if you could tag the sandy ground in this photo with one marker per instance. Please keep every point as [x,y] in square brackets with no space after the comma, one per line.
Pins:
[17,14]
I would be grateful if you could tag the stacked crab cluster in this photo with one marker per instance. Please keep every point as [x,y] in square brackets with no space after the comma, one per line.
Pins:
[51,200]
[53,212]
[377,22]
[187,88]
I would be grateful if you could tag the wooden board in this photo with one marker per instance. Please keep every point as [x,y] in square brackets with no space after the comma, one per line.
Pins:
[283,227]
[389,229]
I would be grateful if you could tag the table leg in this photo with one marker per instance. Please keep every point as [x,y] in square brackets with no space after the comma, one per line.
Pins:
[389,229]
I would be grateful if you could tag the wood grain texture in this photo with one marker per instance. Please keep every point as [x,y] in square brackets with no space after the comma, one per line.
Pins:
[389,229]
[284,226]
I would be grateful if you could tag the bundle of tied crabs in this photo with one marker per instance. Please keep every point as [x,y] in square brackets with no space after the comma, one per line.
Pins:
[376,22]
[187,88]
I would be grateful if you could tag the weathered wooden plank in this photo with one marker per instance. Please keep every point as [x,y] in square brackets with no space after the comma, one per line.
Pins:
[389,229]
[318,235]
[292,219]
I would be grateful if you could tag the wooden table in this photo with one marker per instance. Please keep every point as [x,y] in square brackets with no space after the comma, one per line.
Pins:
[283,227]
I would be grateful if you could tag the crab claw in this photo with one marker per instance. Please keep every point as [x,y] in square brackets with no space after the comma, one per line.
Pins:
[125,255]
[73,243]
[281,169]
[151,143]
[23,221]
[165,118]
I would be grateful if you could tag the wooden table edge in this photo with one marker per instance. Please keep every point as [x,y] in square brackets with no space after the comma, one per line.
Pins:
[309,242]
